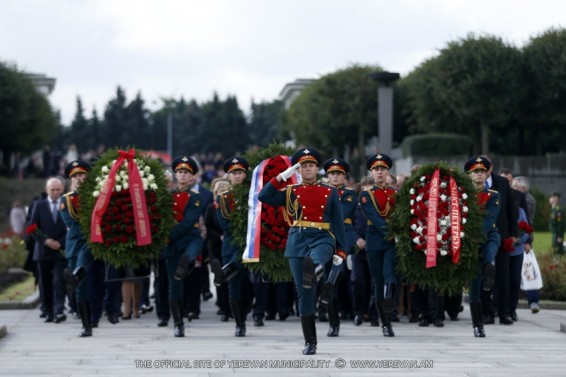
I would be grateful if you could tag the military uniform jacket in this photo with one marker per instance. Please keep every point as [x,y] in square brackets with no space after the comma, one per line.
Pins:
[349,202]
[186,210]
[69,211]
[376,204]
[226,203]
[557,222]
[490,206]
[313,210]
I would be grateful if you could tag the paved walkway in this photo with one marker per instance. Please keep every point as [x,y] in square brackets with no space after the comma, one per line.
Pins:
[532,346]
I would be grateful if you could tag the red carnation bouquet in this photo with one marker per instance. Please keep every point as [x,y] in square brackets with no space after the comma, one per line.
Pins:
[274,228]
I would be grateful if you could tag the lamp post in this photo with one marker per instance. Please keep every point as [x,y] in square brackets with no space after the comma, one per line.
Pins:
[385,109]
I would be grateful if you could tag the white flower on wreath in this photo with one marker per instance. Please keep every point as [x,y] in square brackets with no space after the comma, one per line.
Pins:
[126,185]
[118,188]
[464,196]
[153,186]
[465,209]
[416,240]
[412,191]
[464,220]
[105,169]
[443,184]
[96,193]
[443,197]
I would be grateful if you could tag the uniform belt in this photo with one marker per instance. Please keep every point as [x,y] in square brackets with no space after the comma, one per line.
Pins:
[369,222]
[311,224]
[197,225]
[347,221]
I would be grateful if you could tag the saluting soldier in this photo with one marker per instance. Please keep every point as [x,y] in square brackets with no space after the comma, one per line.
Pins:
[336,170]
[488,200]
[233,270]
[377,204]
[185,241]
[317,230]
[79,256]
[556,223]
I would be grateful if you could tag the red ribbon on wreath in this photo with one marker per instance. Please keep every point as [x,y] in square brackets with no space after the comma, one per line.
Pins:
[137,194]
[455,221]
[432,223]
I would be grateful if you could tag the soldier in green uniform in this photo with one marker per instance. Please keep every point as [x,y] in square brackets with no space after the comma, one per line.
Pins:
[556,223]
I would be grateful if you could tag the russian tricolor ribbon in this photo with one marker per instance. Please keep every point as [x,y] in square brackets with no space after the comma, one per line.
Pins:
[253,237]
[137,194]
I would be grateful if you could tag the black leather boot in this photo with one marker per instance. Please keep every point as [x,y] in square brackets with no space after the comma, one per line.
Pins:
[333,319]
[239,317]
[84,309]
[224,273]
[333,279]
[185,267]
[385,319]
[488,276]
[311,272]
[73,279]
[309,332]
[477,322]
[179,325]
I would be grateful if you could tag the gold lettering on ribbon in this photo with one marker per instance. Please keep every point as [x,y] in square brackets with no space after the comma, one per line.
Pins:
[432,221]
[455,221]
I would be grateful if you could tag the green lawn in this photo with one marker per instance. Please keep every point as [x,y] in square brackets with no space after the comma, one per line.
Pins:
[18,292]
[542,243]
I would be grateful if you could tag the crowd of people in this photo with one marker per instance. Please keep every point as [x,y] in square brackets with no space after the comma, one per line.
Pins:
[339,253]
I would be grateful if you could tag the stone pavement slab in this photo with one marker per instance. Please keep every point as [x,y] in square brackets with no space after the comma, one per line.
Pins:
[532,346]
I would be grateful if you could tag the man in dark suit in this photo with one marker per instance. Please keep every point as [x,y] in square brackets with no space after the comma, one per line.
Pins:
[506,223]
[48,251]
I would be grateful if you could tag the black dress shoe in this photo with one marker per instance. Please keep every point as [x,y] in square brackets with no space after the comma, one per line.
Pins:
[59,318]
[258,321]
[206,296]
[270,317]
[394,318]
[43,315]
[49,318]
[162,323]
[488,320]
[505,320]
[438,322]
[95,324]
[283,316]
[423,322]
[358,320]
[146,309]
[514,316]
[224,318]
[192,316]
[126,317]
[113,319]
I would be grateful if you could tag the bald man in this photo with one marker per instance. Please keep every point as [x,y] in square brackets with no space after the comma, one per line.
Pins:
[49,250]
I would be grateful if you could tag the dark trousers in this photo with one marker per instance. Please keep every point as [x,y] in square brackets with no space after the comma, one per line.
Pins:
[261,295]
[192,291]
[361,283]
[161,288]
[113,294]
[96,289]
[52,285]
[502,283]
[515,268]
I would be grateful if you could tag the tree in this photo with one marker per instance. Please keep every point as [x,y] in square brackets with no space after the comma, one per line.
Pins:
[78,132]
[27,120]
[544,112]
[115,117]
[265,122]
[336,113]
[473,87]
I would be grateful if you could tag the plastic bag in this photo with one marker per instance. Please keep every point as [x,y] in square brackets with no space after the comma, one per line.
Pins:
[531,279]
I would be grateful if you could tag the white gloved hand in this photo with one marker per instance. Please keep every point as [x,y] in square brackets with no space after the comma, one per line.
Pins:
[289,172]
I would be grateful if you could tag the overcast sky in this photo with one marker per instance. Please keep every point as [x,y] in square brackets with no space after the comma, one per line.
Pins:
[246,48]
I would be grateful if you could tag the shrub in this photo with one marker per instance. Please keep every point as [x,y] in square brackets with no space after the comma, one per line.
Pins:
[12,251]
[553,271]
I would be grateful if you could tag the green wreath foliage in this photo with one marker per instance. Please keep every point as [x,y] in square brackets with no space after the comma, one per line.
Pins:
[119,247]
[272,263]
[446,277]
